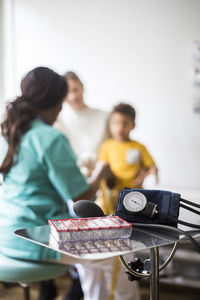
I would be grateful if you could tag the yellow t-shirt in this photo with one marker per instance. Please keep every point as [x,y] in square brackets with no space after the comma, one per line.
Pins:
[125,160]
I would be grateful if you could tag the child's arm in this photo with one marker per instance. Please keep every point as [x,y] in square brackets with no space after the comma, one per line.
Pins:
[154,171]
[146,174]
[151,178]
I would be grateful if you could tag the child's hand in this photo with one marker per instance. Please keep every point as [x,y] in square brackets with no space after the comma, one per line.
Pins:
[110,181]
[107,174]
[103,168]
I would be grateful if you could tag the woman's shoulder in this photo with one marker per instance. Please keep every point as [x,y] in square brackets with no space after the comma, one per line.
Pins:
[97,112]
[39,127]
[42,133]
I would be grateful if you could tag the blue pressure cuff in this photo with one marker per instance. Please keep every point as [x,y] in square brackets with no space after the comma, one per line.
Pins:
[167,205]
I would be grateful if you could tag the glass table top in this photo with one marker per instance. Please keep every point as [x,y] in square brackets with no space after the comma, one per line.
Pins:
[80,251]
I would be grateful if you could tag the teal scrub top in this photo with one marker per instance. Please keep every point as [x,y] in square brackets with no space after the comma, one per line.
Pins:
[44,177]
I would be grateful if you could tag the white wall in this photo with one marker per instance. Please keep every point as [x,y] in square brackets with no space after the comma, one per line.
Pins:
[133,50]
[1,54]
[7,53]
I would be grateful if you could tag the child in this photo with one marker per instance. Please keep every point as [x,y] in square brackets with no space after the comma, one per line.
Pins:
[129,160]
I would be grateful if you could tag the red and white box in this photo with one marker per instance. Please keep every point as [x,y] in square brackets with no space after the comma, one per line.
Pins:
[88,229]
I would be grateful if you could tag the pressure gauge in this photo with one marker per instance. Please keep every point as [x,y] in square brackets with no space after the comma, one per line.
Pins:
[135,201]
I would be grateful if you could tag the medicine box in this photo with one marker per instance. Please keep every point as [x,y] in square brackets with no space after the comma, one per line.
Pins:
[86,229]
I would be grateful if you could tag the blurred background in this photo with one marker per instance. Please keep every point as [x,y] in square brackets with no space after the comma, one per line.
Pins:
[137,51]
[145,52]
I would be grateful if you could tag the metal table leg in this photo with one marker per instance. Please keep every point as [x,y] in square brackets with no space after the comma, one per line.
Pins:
[154,278]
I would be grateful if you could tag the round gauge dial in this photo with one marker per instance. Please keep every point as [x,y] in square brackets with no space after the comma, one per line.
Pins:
[135,201]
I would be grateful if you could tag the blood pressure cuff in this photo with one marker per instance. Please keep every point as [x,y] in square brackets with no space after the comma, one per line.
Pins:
[167,205]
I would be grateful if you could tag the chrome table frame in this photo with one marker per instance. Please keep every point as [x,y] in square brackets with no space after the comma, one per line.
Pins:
[141,239]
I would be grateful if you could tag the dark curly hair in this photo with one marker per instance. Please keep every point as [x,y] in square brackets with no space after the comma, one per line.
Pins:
[41,88]
[125,109]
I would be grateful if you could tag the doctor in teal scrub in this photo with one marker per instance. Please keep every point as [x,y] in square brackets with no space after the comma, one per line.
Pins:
[39,167]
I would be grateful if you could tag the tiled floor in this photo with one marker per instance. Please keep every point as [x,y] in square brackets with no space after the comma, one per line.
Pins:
[15,292]
[166,292]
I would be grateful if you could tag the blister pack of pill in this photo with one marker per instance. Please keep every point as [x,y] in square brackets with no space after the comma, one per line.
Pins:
[91,247]
[88,229]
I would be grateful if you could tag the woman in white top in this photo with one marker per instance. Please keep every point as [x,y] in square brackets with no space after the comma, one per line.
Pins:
[85,127]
